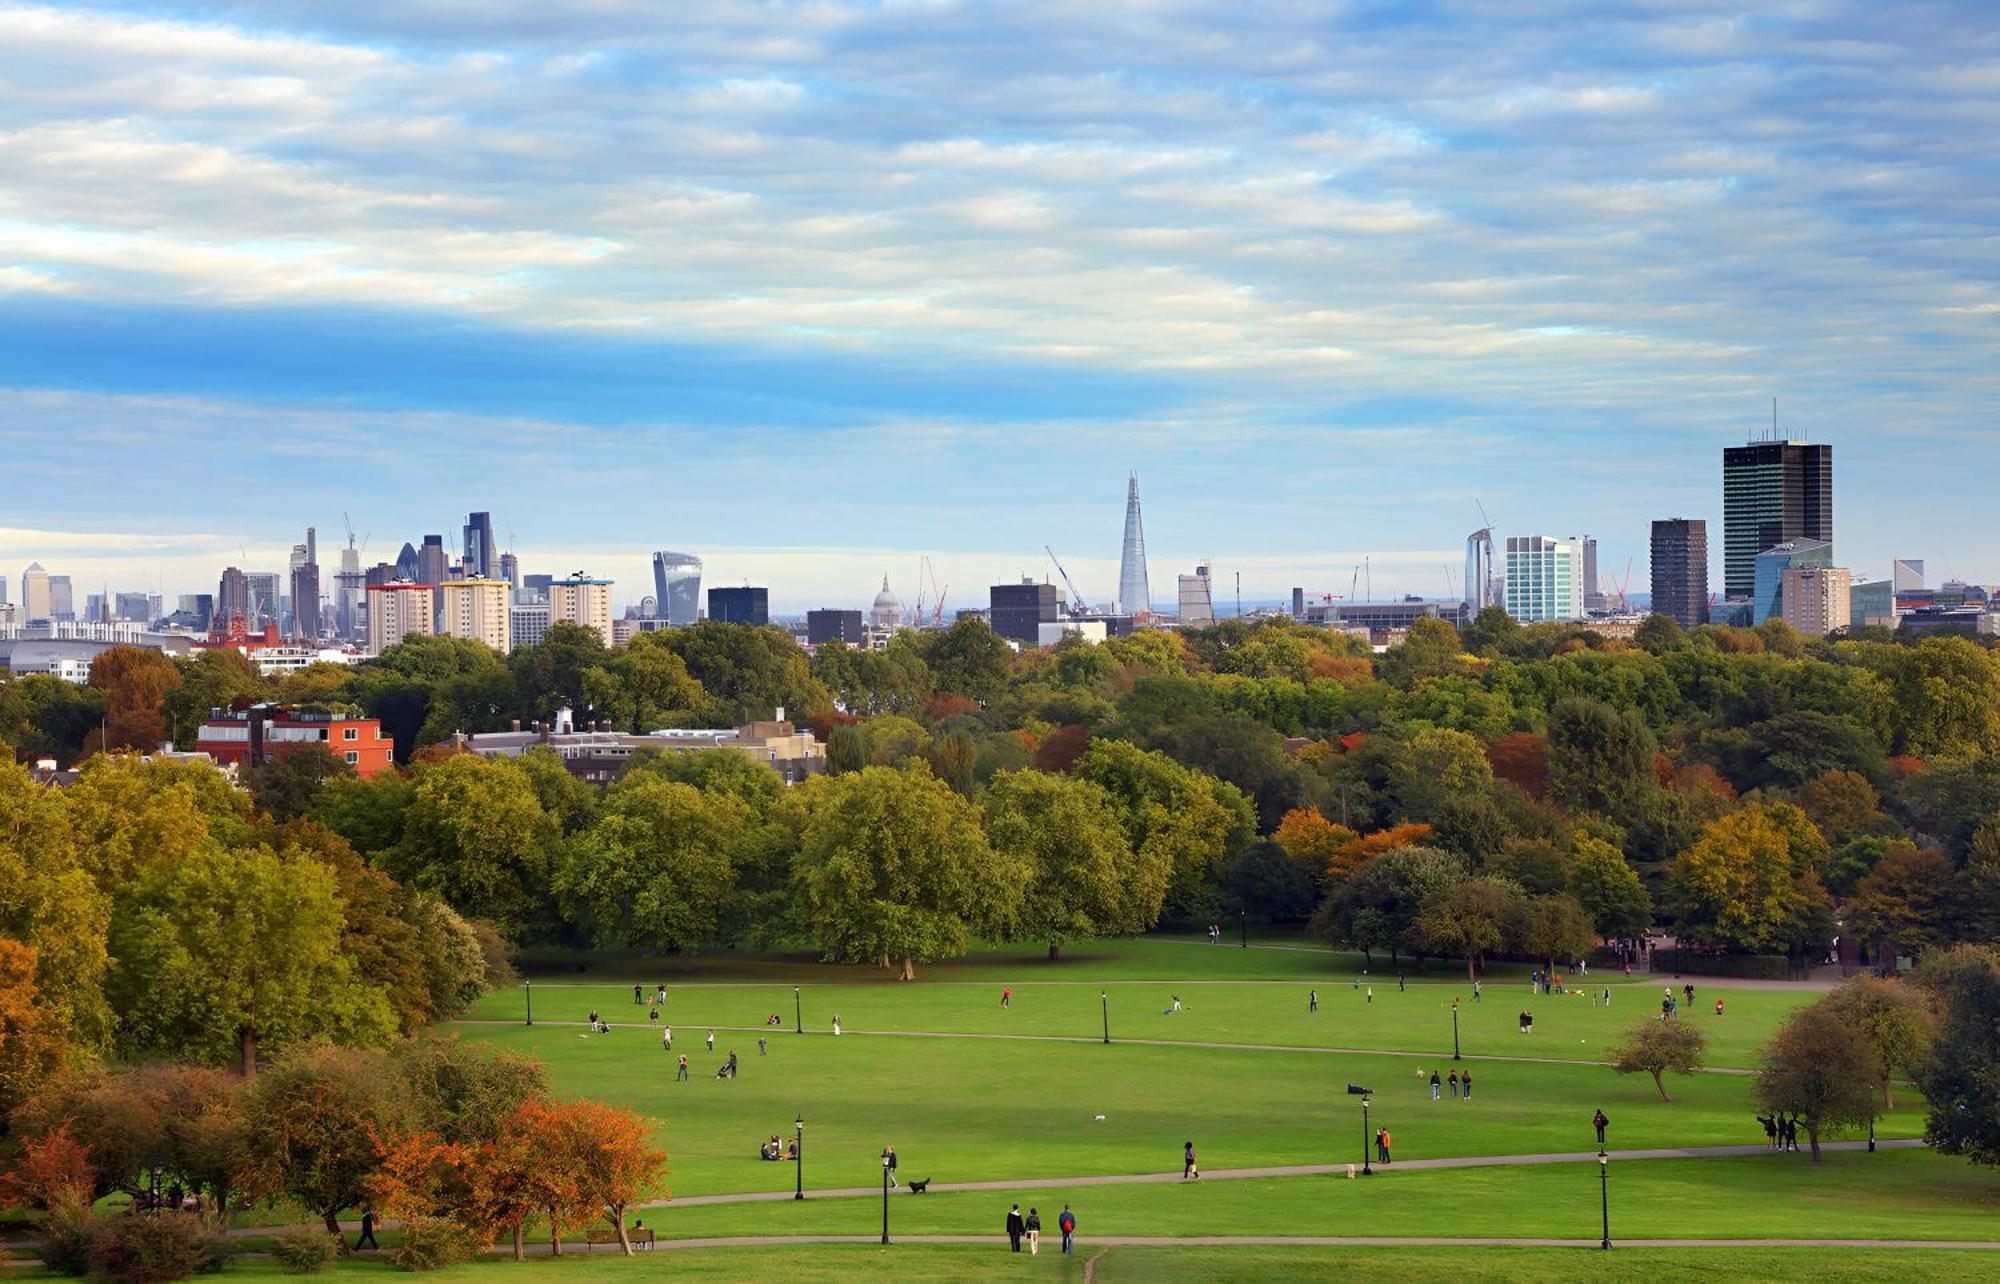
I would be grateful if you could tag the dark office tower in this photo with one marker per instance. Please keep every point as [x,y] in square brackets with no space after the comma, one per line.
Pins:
[406,565]
[1298,603]
[1772,491]
[305,590]
[482,555]
[1680,569]
[510,570]
[744,605]
[232,598]
[835,626]
[1018,611]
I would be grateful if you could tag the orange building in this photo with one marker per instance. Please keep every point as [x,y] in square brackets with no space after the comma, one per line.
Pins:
[247,737]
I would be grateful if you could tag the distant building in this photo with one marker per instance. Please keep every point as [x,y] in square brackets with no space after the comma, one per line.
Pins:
[1593,599]
[65,648]
[1134,591]
[477,609]
[510,570]
[305,590]
[830,625]
[1053,634]
[534,588]
[1018,611]
[1907,574]
[349,582]
[265,589]
[232,597]
[397,611]
[482,555]
[887,613]
[527,623]
[135,607]
[1197,597]
[1872,604]
[1816,598]
[584,601]
[62,599]
[598,754]
[1479,572]
[677,587]
[433,564]
[250,737]
[195,611]
[1773,492]
[1767,596]
[407,567]
[1544,578]
[34,594]
[740,605]
[1680,570]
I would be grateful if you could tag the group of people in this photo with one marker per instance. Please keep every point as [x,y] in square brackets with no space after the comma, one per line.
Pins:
[1460,1081]
[1382,1140]
[775,1149]
[1781,1131]
[1215,933]
[1029,1229]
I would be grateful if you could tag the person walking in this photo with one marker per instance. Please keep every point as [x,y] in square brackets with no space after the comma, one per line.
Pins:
[1386,1143]
[1465,1082]
[1007,996]
[1190,1166]
[367,1237]
[711,1038]
[1600,1121]
[889,1162]
[1016,1227]
[760,1045]
[1067,1225]
[653,1015]
[1177,1003]
[1400,987]
[660,996]
[1034,1225]
[1475,990]
[1454,1085]
[681,1070]
[1312,1000]
[836,1025]
[1371,994]
[1436,1084]
[1718,1005]
[666,1038]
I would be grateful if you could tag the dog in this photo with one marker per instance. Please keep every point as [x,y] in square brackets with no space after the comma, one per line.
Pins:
[919,1187]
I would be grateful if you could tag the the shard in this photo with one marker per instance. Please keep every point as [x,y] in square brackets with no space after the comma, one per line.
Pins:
[1134,596]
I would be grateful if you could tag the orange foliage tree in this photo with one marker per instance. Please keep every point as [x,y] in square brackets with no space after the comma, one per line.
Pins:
[135,681]
[588,1158]
[50,1170]
[1348,859]
[1522,759]
[31,1038]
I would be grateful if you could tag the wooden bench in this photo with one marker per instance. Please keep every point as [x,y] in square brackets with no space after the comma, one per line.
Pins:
[640,1236]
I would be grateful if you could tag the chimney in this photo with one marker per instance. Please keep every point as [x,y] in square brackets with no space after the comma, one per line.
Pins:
[515,725]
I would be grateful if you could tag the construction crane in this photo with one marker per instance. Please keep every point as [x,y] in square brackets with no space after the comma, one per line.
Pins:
[1076,606]
[1624,580]
[349,524]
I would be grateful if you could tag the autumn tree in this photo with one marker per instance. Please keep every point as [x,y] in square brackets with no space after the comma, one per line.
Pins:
[50,903]
[315,1118]
[135,681]
[1905,904]
[31,1041]
[893,865]
[1469,921]
[1819,1068]
[1895,1020]
[603,1157]
[1656,1045]
[1085,880]
[1749,880]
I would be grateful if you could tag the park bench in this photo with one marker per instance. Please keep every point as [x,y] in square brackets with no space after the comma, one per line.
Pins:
[641,1237]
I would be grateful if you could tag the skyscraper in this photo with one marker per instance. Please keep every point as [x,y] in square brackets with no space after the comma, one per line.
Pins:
[264,590]
[1197,597]
[34,594]
[431,560]
[581,600]
[62,599]
[305,589]
[482,557]
[1592,599]
[677,587]
[1479,571]
[407,567]
[232,598]
[3,590]
[348,585]
[1680,569]
[510,570]
[1544,578]
[1134,593]
[745,605]
[1772,492]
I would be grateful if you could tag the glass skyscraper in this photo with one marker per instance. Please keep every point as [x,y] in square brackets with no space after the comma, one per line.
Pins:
[677,587]
[1772,491]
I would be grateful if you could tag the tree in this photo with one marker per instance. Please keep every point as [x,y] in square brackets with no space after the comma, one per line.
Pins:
[1842,805]
[1551,928]
[135,681]
[475,834]
[211,679]
[1819,1068]
[32,1046]
[465,1093]
[1957,1076]
[1905,904]
[1947,700]
[1243,752]
[1599,758]
[1375,908]
[1609,890]
[967,659]
[1191,820]
[602,1154]
[551,674]
[1658,633]
[1435,767]
[1085,880]
[656,868]
[1748,880]
[228,951]
[748,671]
[1470,921]
[1521,758]
[49,903]
[1656,1045]
[314,1120]
[644,685]
[1894,1019]
[286,784]
[893,865]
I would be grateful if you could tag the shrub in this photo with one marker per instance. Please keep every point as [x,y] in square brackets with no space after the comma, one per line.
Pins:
[433,1243]
[148,1248]
[306,1250]
[66,1235]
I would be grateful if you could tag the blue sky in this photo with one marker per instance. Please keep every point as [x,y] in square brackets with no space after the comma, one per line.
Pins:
[818,289]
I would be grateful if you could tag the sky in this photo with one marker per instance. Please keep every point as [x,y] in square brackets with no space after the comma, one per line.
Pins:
[816,290]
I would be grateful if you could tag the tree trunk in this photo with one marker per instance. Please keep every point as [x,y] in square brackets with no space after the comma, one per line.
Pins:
[555,1237]
[909,969]
[246,1052]
[885,961]
[332,1218]
[521,1240]
[618,1220]
[1661,1085]
[1888,1101]
[1471,969]
[687,959]
[1055,950]
[1812,1136]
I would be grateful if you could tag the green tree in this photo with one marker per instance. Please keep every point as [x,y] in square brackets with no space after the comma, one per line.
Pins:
[967,659]
[1906,903]
[475,834]
[1819,1068]
[1894,1019]
[1659,633]
[1433,768]
[1431,648]
[1192,821]
[367,813]
[49,901]
[1655,1045]
[551,674]
[228,952]
[1600,758]
[1947,700]
[893,865]
[644,686]
[1609,890]
[1957,1077]
[60,717]
[655,870]
[464,1093]
[315,1118]
[1470,921]
[1375,908]
[1552,928]
[1085,879]
[749,672]
[210,679]
[286,784]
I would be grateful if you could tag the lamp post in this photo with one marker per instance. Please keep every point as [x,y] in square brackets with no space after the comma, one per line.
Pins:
[885,1196]
[1243,928]
[1454,1031]
[1104,1003]
[1604,1191]
[798,1013]
[1871,1136]
[799,1155]
[1367,1133]
[528,996]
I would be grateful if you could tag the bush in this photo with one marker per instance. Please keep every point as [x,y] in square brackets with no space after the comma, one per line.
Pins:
[146,1248]
[306,1250]
[66,1234]
[433,1243]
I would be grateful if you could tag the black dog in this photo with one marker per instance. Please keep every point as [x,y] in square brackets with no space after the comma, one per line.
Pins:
[919,1187]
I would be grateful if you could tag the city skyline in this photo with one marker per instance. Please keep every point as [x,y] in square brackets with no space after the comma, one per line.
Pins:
[1329,280]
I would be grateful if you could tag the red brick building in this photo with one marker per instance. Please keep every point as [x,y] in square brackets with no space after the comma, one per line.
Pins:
[247,737]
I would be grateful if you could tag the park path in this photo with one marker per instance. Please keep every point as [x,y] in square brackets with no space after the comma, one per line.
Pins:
[1290,1170]
[849,1031]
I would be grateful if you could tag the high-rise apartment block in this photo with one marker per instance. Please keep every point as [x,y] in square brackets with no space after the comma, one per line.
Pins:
[1767,596]
[1545,578]
[527,623]
[1680,570]
[477,609]
[581,600]
[397,611]
[740,605]
[1816,598]
[1772,492]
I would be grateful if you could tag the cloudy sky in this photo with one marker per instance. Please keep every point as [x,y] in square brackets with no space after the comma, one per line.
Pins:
[816,289]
